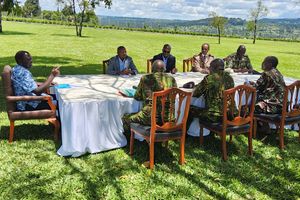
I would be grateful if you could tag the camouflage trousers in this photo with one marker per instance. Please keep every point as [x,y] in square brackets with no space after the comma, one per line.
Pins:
[203,115]
[143,117]
[267,108]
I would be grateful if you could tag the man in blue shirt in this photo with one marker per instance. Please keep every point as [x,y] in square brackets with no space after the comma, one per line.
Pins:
[24,84]
[121,64]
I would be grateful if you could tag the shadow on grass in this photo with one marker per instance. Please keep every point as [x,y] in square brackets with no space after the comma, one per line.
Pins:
[29,131]
[289,52]
[15,33]
[69,35]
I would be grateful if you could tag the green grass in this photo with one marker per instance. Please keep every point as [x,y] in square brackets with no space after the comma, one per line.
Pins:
[31,169]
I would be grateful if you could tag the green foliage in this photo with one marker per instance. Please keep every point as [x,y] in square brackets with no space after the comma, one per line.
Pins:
[32,8]
[31,169]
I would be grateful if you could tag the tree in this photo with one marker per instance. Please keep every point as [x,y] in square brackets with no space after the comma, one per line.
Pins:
[255,14]
[59,4]
[6,5]
[32,8]
[218,22]
[84,7]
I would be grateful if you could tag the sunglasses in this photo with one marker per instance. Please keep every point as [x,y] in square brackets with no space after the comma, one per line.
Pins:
[166,51]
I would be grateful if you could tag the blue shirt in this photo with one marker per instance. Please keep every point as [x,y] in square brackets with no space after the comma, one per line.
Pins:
[23,84]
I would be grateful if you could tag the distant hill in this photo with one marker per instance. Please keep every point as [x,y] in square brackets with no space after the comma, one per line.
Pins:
[269,28]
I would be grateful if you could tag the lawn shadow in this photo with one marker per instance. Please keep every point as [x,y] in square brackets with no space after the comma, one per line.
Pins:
[289,52]
[68,35]
[29,132]
[109,168]
[15,33]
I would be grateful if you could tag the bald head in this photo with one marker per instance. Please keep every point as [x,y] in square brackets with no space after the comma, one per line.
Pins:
[158,66]
[241,51]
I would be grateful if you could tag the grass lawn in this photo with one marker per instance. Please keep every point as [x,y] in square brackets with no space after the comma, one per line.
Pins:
[31,169]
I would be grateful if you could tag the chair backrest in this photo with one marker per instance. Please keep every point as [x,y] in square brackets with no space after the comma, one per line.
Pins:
[187,64]
[8,88]
[105,65]
[238,105]
[149,65]
[172,107]
[291,100]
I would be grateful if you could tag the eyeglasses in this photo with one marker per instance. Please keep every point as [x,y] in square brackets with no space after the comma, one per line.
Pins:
[166,51]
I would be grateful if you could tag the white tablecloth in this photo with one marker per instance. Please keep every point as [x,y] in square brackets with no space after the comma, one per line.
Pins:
[91,110]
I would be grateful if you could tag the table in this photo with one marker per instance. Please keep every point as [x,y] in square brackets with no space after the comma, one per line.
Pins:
[91,109]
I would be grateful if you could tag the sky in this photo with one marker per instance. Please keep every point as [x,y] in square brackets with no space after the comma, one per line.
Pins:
[190,9]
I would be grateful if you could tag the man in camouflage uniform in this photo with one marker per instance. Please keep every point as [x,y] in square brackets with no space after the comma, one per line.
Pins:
[212,88]
[270,88]
[149,83]
[239,61]
[201,62]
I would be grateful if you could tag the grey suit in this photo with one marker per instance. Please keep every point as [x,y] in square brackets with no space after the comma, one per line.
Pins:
[114,66]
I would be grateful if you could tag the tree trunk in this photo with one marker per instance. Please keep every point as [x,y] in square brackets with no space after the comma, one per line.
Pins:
[81,21]
[0,19]
[219,33]
[254,32]
[75,18]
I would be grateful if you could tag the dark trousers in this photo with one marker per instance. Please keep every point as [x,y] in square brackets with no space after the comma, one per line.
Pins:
[42,106]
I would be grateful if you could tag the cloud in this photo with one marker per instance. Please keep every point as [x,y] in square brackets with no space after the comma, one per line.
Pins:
[190,9]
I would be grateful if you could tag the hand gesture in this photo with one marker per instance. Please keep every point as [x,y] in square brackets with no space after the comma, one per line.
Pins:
[55,71]
[174,70]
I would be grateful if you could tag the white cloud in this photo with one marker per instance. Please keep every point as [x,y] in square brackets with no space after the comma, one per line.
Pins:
[190,9]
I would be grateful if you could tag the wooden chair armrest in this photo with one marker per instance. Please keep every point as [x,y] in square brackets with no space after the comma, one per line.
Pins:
[27,98]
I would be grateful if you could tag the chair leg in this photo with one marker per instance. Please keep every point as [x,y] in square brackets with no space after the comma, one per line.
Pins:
[182,146]
[151,150]
[230,139]
[131,142]
[250,148]
[254,127]
[56,125]
[224,150]
[281,137]
[201,135]
[11,131]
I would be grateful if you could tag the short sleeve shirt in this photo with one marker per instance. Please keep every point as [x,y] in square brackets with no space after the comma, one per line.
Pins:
[23,84]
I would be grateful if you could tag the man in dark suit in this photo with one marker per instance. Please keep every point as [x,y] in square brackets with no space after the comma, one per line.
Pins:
[167,58]
[121,64]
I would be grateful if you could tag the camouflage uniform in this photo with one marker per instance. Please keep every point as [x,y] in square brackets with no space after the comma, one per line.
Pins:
[233,62]
[201,62]
[270,91]
[148,84]
[212,88]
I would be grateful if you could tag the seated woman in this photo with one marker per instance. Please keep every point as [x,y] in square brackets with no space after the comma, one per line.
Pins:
[212,88]
[24,84]
[270,88]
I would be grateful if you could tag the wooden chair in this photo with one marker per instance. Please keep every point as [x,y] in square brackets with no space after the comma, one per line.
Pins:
[14,115]
[149,65]
[235,121]
[289,116]
[105,65]
[187,64]
[172,128]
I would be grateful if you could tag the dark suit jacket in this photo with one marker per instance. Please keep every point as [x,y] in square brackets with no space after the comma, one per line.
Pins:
[171,61]
[114,66]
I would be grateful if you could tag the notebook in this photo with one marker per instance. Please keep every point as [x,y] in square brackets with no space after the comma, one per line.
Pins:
[127,92]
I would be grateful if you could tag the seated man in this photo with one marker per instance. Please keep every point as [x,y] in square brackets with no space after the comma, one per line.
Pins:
[212,88]
[24,84]
[202,61]
[239,61]
[149,83]
[270,88]
[167,58]
[121,64]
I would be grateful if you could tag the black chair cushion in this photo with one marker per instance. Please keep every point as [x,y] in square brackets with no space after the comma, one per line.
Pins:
[145,131]
[277,118]
[230,129]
